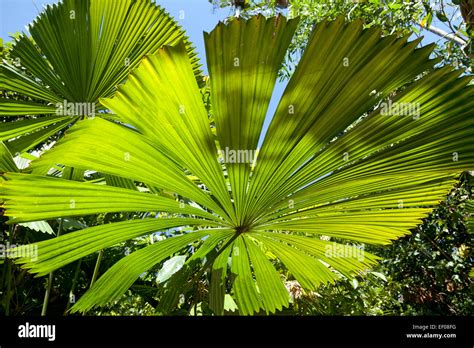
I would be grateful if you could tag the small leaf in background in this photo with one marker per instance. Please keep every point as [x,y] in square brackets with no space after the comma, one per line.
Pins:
[379,275]
[394,6]
[229,303]
[426,21]
[69,223]
[355,283]
[441,16]
[427,7]
[38,226]
[170,267]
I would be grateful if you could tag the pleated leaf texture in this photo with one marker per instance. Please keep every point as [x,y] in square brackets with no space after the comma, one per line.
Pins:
[337,170]
[78,52]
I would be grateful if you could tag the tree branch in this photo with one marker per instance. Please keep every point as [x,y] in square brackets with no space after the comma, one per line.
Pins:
[444,35]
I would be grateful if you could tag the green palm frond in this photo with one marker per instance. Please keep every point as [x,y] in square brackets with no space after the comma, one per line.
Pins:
[6,160]
[78,52]
[335,170]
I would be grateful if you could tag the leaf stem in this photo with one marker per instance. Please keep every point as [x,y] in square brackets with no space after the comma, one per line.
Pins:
[96,268]
[73,286]
[212,259]
[50,278]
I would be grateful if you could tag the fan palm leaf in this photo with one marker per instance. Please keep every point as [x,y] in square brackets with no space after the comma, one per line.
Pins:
[78,52]
[334,171]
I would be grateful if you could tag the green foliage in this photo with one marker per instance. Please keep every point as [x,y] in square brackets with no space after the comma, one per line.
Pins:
[397,17]
[425,273]
[335,170]
[430,268]
[78,51]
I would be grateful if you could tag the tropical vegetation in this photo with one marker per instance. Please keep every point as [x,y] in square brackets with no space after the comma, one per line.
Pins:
[176,198]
